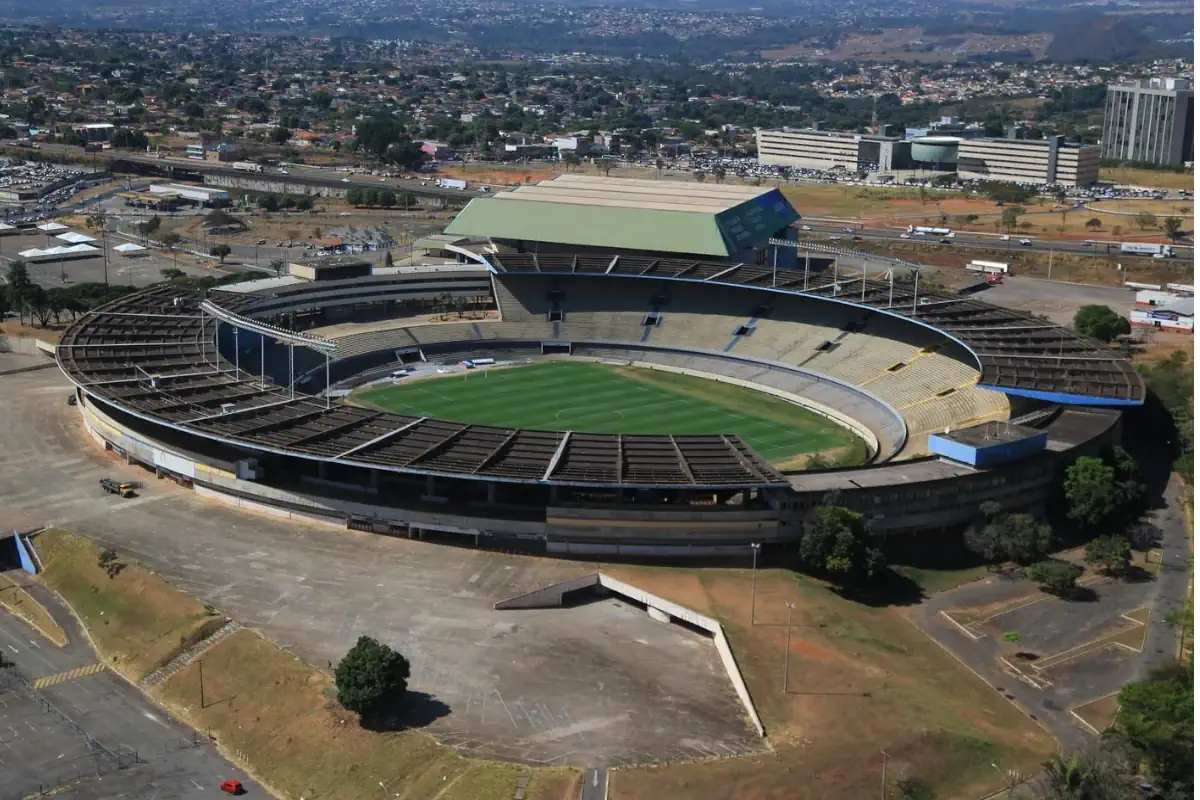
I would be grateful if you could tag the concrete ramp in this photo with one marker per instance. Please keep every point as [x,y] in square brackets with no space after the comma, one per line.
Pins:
[657,607]
[549,596]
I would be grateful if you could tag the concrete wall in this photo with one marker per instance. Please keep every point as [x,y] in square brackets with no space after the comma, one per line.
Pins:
[282,184]
[700,621]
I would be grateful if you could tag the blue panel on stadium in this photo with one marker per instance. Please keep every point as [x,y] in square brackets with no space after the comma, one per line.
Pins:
[988,444]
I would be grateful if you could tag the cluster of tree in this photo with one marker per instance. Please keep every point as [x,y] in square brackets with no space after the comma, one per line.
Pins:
[274,202]
[838,543]
[1003,192]
[997,537]
[178,277]
[1170,384]
[43,305]
[387,139]
[369,196]
[127,137]
[1100,322]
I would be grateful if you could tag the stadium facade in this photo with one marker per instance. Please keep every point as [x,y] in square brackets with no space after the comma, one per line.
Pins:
[229,392]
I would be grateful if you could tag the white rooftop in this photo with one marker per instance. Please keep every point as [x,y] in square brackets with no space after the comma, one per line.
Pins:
[71,237]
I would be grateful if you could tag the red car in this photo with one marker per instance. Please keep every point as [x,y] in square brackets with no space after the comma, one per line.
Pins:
[233,787]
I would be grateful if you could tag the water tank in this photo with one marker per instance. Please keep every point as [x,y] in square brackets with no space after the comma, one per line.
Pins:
[936,151]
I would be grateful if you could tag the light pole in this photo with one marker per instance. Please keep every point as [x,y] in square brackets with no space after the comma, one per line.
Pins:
[883,779]
[753,577]
[787,651]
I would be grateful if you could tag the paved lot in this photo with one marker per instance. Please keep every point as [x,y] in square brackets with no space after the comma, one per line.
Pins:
[138,271]
[598,684]
[1051,626]
[1057,300]
[42,733]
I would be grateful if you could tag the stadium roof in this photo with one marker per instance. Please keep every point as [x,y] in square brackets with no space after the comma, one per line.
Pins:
[621,214]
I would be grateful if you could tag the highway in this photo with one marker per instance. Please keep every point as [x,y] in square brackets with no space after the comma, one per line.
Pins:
[820,231]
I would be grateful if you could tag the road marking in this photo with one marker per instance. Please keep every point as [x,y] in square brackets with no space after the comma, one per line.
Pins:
[69,675]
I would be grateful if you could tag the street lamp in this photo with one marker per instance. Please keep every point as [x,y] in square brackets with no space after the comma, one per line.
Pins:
[787,651]
[754,546]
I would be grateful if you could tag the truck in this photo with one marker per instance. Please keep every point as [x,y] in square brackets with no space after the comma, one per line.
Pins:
[451,183]
[124,489]
[1155,250]
[989,267]
[247,166]
[930,231]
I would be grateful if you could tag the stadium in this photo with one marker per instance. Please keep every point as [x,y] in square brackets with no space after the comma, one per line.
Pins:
[556,389]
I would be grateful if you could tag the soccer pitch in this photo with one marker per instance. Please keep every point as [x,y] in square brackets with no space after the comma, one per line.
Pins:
[587,397]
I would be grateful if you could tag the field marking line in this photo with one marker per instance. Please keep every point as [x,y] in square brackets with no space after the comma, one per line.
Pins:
[1021,676]
[955,623]
[1084,722]
[511,718]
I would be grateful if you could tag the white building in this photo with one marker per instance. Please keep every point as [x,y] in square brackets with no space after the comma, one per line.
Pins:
[1176,315]
[204,195]
[829,150]
[1035,161]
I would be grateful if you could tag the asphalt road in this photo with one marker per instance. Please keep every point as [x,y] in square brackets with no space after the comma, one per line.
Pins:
[40,749]
[820,232]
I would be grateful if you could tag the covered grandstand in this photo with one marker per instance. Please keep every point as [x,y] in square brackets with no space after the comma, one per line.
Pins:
[226,392]
[573,212]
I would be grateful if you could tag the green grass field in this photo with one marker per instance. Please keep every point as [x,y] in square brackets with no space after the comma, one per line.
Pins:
[598,398]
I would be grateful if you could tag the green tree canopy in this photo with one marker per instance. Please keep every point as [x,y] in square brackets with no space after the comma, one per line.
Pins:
[838,542]
[1156,722]
[372,679]
[1100,322]
[1111,553]
[1103,493]
[1056,577]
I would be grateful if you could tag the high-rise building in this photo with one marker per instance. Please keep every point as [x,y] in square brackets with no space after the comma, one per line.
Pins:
[1049,161]
[1149,121]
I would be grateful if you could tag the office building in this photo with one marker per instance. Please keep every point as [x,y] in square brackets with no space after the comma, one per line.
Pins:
[1149,121]
[831,150]
[1036,161]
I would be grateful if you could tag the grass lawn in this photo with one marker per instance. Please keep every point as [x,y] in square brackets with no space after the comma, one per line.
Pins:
[137,619]
[1150,178]
[21,604]
[861,679]
[267,709]
[596,398]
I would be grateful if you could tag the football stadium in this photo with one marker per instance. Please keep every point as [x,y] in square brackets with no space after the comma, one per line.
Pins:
[599,366]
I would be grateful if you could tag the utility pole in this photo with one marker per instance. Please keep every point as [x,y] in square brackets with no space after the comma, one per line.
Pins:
[200,665]
[1050,268]
[787,651]
[883,781]
[753,577]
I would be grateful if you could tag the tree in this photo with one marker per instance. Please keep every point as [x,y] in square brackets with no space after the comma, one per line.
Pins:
[280,135]
[1118,231]
[570,158]
[1102,492]
[1008,217]
[372,679]
[1056,577]
[1099,774]
[18,287]
[1144,536]
[170,240]
[220,251]
[38,303]
[1024,539]
[718,174]
[268,202]
[1093,224]
[354,196]
[387,198]
[1173,226]
[1111,553]
[1100,322]
[984,537]
[277,265]
[1146,220]
[914,789]
[699,175]
[1156,722]
[838,542]
[171,273]
[388,261]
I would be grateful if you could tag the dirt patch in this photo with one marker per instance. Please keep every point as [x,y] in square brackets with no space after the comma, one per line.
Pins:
[1100,714]
[18,331]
